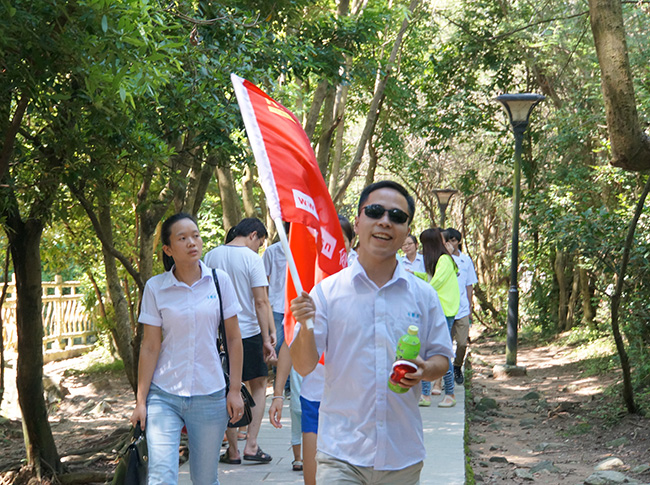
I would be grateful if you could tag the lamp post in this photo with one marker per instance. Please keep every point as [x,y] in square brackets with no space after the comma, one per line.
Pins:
[443,196]
[518,107]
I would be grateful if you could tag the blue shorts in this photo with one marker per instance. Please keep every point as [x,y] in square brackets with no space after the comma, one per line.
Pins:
[309,418]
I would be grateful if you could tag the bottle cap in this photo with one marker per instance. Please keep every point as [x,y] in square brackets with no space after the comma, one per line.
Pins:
[413,330]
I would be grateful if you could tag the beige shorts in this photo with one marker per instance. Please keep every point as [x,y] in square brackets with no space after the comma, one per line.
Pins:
[460,331]
[330,471]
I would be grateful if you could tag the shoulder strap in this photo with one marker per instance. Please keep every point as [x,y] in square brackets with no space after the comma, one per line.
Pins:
[222,342]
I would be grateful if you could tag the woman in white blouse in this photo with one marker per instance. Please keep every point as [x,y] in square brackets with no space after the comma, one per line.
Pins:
[180,379]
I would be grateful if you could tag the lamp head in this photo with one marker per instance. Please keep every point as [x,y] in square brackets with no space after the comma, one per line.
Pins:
[444,195]
[519,107]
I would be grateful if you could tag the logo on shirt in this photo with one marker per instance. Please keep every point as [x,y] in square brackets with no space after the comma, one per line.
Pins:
[413,318]
[212,297]
[304,202]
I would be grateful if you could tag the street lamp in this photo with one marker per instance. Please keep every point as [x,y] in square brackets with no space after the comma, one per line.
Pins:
[518,107]
[443,196]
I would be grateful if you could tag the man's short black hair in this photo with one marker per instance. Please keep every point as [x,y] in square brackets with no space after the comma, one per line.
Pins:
[452,233]
[388,184]
[247,226]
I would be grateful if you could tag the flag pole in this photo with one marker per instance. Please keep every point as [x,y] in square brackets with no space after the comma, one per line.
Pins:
[279,226]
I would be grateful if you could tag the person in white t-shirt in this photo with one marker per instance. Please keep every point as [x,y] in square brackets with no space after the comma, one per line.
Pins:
[366,432]
[180,378]
[466,281]
[240,260]
[275,266]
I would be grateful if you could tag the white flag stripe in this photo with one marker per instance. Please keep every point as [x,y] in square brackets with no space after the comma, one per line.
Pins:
[259,150]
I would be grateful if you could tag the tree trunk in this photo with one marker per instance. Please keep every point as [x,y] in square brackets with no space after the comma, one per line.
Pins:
[121,329]
[630,145]
[3,295]
[343,10]
[25,239]
[328,126]
[487,306]
[207,171]
[573,300]
[314,109]
[372,163]
[563,297]
[10,131]
[373,111]
[341,99]
[628,391]
[247,192]
[229,198]
[587,291]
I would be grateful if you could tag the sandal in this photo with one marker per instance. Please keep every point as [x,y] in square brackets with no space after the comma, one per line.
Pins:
[242,436]
[447,402]
[296,465]
[225,458]
[425,401]
[259,456]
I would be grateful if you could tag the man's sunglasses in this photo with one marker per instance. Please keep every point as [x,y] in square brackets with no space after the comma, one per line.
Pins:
[376,211]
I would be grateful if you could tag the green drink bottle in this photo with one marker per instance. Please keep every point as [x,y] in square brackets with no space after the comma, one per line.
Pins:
[408,347]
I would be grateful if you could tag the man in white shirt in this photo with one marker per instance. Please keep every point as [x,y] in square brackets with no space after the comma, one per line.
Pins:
[412,260]
[275,266]
[466,281]
[366,432]
[240,260]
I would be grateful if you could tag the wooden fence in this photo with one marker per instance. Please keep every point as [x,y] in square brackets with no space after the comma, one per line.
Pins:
[66,323]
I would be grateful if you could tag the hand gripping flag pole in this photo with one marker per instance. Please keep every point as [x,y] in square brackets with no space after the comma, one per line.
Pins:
[291,180]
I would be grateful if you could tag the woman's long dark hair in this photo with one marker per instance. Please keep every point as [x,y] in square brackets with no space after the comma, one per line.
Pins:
[433,246]
[166,233]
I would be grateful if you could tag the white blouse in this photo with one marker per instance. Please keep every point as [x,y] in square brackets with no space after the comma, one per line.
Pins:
[188,364]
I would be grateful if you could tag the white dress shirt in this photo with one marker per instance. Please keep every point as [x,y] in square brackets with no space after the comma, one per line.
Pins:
[313,383]
[358,325]
[275,264]
[416,265]
[188,364]
[466,277]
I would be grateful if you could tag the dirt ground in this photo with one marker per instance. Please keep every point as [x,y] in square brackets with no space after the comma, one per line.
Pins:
[549,426]
[89,418]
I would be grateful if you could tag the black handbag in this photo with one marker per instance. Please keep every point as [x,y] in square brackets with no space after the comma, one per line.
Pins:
[222,345]
[134,461]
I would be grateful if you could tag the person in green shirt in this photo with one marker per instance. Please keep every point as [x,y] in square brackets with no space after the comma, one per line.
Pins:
[441,273]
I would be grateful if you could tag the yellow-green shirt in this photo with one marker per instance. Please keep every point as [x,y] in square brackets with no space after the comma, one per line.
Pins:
[445,282]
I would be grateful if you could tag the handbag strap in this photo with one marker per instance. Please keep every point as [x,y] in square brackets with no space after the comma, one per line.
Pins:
[221,336]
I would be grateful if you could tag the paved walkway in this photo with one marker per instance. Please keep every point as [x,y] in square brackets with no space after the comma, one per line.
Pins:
[443,437]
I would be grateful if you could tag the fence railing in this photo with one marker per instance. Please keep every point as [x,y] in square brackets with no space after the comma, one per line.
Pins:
[66,323]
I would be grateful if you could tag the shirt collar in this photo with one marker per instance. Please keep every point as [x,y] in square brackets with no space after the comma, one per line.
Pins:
[400,275]
[170,279]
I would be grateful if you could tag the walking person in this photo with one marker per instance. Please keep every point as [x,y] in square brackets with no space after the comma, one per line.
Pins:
[441,273]
[466,281]
[240,260]
[285,371]
[180,378]
[366,432]
[412,260]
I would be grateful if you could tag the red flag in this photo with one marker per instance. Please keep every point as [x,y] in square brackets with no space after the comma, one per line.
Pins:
[293,185]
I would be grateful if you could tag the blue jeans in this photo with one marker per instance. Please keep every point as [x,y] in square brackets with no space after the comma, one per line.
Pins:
[205,417]
[449,376]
